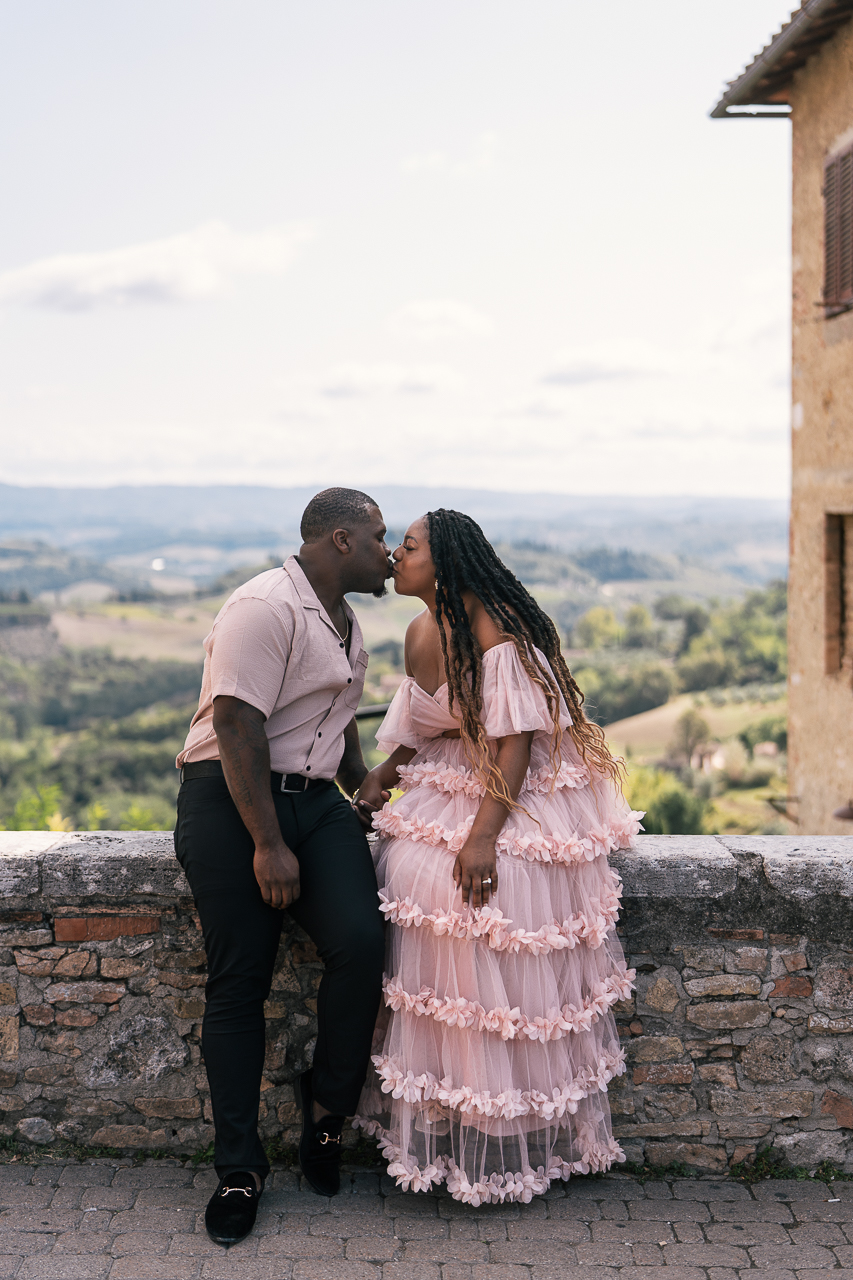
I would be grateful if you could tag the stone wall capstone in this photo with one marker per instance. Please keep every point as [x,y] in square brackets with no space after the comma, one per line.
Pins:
[739,1035]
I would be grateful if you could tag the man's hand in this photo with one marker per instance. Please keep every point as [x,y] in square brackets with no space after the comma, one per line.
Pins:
[277,873]
[476,861]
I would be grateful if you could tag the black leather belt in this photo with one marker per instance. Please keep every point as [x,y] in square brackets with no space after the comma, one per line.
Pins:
[278,781]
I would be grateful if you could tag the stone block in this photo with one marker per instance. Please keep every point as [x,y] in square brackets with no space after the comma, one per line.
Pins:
[655,867]
[821,1024]
[724,984]
[778,1103]
[9,1041]
[35,1129]
[38,1015]
[697,1155]
[666,1129]
[833,987]
[38,964]
[85,992]
[747,959]
[72,964]
[811,1148]
[794,961]
[718,1073]
[655,1048]
[726,1014]
[76,1018]
[104,928]
[46,1074]
[11,1102]
[169,1108]
[662,996]
[795,986]
[8,994]
[120,967]
[128,1135]
[838,1105]
[743,1128]
[664,1073]
[189,1010]
[676,1104]
[707,959]
[768,1059]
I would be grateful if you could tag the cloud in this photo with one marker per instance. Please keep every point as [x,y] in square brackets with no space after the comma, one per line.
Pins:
[606,362]
[194,266]
[482,156]
[436,319]
[355,379]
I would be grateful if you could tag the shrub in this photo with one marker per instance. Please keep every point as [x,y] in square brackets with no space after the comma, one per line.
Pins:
[670,807]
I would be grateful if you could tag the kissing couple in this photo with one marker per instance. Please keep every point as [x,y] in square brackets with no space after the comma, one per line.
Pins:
[470,961]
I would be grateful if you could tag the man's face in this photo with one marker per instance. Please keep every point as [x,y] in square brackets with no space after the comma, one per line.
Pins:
[369,562]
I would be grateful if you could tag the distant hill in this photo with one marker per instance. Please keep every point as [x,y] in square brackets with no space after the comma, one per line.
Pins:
[208,530]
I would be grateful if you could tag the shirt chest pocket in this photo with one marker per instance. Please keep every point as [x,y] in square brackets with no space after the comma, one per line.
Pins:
[352,697]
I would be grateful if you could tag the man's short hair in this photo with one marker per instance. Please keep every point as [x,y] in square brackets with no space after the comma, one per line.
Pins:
[335,509]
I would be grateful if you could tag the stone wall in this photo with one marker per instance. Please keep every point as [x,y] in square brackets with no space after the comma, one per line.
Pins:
[740,1034]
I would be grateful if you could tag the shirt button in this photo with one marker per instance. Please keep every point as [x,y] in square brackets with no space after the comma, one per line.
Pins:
[341,645]
[319,735]
[307,768]
[349,681]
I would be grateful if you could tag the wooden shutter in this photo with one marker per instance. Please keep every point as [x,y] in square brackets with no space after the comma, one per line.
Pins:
[838,233]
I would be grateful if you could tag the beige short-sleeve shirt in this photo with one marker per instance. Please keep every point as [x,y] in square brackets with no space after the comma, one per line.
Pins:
[273,645]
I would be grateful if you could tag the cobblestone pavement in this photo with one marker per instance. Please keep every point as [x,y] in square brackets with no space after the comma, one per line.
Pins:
[125,1222]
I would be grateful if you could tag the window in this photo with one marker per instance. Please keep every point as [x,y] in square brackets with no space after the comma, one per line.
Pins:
[838,234]
[838,560]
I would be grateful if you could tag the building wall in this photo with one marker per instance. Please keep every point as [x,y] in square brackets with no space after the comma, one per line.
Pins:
[740,1034]
[820,704]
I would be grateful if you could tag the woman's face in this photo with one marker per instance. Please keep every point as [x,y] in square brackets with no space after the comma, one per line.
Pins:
[414,571]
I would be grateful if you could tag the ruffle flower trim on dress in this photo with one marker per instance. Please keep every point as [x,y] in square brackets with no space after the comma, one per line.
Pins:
[446,777]
[490,924]
[499,1188]
[598,842]
[512,1024]
[509,1105]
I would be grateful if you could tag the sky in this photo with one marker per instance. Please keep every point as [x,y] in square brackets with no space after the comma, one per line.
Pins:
[473,242]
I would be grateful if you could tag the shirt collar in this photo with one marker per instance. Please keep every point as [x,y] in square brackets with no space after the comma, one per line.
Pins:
[310,600]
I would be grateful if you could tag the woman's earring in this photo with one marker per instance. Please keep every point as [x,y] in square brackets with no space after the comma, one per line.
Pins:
[436,584]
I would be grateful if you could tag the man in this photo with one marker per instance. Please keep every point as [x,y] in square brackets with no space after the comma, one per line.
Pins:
[262,828]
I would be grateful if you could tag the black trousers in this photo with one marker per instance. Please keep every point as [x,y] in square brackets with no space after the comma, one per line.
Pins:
[338,908]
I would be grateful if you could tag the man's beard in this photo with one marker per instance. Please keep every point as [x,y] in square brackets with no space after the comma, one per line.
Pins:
[380,592]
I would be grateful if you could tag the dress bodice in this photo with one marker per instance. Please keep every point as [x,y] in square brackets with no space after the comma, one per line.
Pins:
[512,703]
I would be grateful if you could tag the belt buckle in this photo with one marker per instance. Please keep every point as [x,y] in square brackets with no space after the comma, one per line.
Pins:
[294,791]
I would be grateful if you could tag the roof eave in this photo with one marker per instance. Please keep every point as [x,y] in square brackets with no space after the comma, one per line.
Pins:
[767,79]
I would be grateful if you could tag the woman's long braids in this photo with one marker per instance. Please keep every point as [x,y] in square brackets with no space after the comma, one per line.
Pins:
[464,559]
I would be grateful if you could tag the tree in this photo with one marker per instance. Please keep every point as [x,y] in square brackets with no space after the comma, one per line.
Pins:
[597,629]
[670,808]
[639,632]
[691,729]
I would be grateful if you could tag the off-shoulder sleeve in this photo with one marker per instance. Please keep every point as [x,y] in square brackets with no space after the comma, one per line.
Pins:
[512,702]
[396,730]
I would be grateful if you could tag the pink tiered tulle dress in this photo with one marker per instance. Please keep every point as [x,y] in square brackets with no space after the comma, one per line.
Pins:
[497,1041]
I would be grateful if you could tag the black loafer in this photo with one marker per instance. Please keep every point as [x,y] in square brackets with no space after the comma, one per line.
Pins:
[232,1209]
[320,1145]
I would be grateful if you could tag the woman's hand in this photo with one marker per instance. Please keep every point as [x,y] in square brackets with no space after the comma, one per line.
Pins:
[370,796]
[475,870]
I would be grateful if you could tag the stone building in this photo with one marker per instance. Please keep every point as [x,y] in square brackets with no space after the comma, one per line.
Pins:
[806,73]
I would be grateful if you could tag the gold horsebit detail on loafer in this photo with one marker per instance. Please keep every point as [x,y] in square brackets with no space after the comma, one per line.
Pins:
[326,1139]
[227,1191]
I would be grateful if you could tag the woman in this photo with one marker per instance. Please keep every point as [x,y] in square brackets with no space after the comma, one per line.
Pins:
[502,962]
